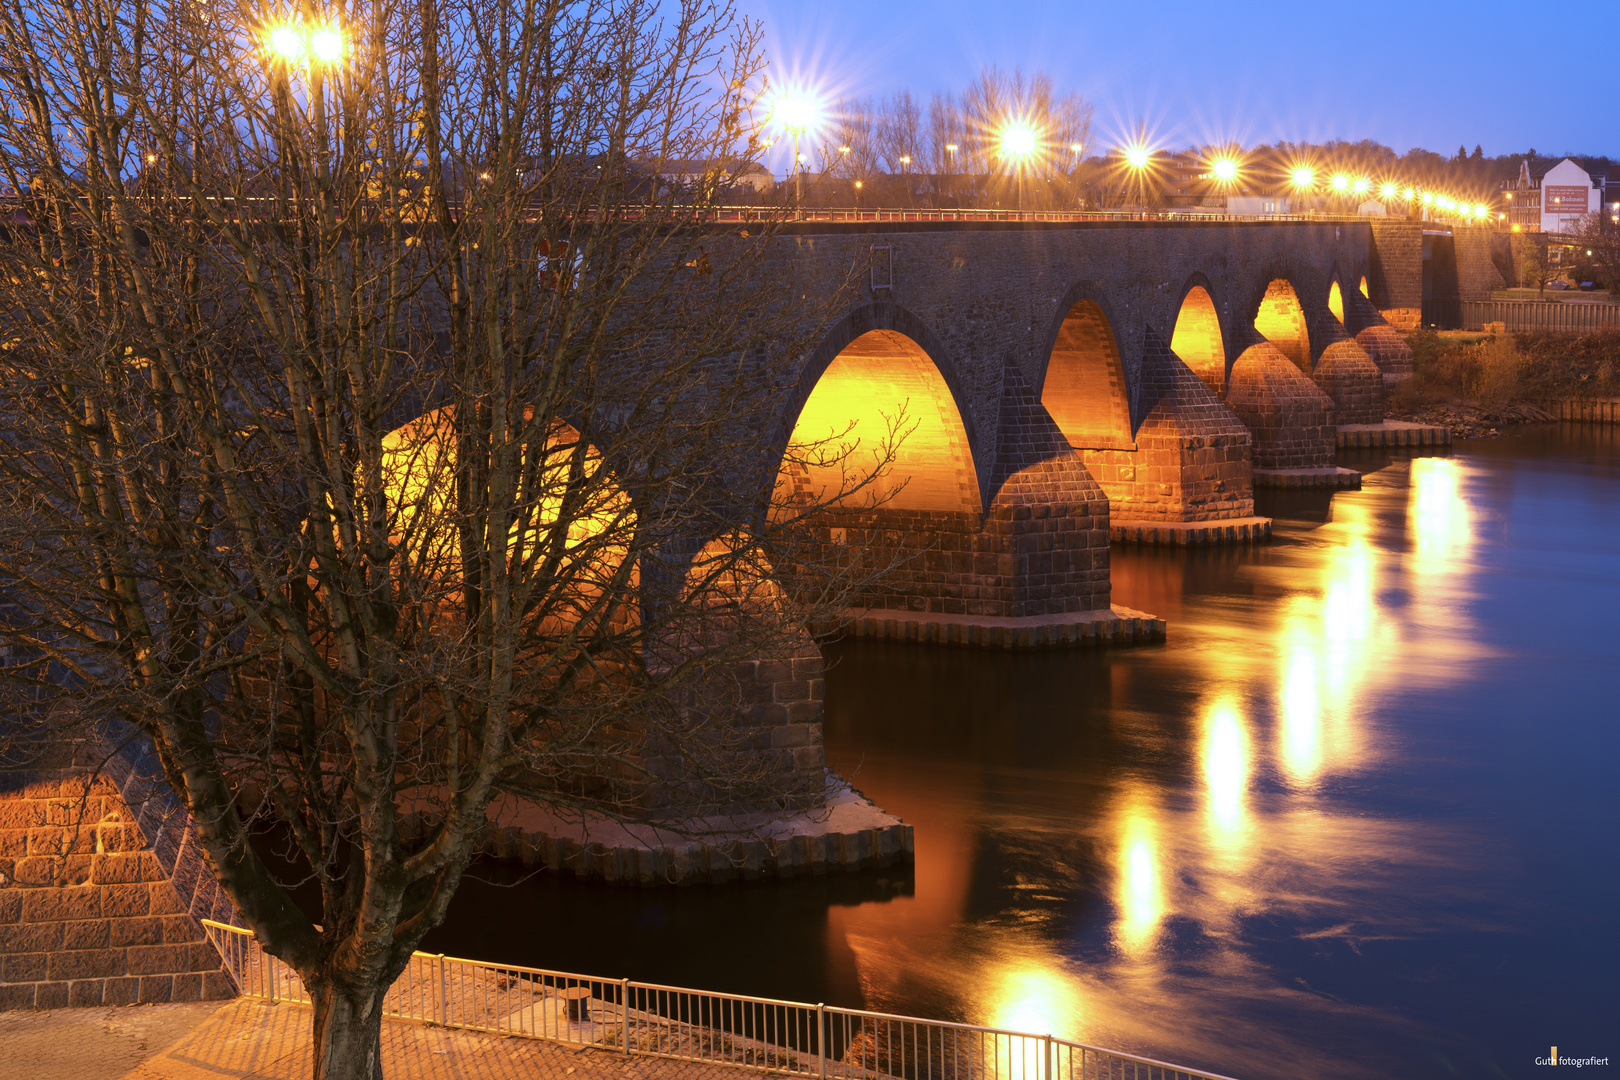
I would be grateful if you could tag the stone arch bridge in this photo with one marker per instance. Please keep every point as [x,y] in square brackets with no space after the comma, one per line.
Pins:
[1065,384]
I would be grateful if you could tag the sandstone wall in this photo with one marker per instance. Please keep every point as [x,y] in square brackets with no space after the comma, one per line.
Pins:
[1395,274]
[101,890]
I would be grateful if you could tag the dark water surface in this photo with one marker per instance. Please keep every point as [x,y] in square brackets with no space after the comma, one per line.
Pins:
[1357,818]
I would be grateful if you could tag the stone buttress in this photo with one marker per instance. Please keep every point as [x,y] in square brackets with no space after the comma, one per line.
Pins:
[1192,461]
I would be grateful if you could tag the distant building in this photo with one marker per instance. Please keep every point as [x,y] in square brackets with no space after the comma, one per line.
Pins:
[1372,208]
[1259,205]
[693,173]
[1548,199]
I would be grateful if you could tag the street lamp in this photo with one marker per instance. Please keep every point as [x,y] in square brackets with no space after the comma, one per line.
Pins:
[1303,179]
[292,44]
[1018,142]
[797,114]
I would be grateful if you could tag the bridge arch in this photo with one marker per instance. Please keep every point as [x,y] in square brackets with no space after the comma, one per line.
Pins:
[1279,317]
[1198,337]
[1084,387]
[878,365]
[1336,301]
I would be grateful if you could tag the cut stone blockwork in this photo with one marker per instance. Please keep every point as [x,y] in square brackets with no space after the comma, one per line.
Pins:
[1382,342]
[845,833]
[1389,351]
[1288,417]
[1392,433]
[1110,626]
[101,890]
[1038,558]
[1192,461]
[1040,549]
[1247,530]
[1330,477]
[1349,377]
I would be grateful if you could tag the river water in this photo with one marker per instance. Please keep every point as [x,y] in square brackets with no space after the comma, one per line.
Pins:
[1358,817]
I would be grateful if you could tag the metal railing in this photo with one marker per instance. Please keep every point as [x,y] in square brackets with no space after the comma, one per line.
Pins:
[651,1020]
[879,214]
[1550,316]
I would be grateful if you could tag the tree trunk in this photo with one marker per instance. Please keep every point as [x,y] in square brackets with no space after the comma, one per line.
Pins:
[348,1033]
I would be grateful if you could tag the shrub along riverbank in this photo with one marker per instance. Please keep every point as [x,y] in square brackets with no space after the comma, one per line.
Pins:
[1476,383]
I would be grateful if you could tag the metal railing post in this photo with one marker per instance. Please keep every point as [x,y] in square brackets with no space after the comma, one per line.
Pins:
[444,995]
[821,1039]
[1046,1057]
[624,1013]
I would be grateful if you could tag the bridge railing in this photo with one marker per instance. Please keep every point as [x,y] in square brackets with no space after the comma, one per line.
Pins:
[652,1020]
[882,214]
[1536,316]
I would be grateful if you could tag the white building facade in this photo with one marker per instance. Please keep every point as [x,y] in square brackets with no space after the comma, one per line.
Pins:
[1567,193]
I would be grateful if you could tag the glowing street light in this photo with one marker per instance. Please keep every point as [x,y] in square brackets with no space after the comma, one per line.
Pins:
[1225,170]
[1362,185]
[1341,182]
[326,46]
[1303,177]
[797,115]
[287,43]
[1388,191]
[1137,156]
[292,44]
[1018,141]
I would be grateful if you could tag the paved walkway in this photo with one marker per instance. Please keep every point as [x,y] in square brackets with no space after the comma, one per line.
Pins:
[252,1040]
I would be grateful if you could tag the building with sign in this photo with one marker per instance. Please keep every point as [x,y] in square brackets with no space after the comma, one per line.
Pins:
[1550,199]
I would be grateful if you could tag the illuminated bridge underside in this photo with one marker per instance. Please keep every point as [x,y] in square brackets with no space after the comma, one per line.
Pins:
[1281,321]
[1039,551]
[882,387]
[1085,386]
[1197,339]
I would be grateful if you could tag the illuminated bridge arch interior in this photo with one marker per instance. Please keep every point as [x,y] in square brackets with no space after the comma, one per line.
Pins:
[1197,339]
[882,382]
[1336,302]
[1281,321]
[1085,385]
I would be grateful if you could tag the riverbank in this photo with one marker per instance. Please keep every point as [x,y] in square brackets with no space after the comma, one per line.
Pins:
[1476,384]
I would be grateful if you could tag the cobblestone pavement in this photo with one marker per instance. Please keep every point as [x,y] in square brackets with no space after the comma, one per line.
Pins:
[251,1040]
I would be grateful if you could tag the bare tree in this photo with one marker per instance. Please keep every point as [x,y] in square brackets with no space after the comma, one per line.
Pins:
[1055,128]
[899,139]
[378,433]
[947,141]
[1598,237]
[852,150]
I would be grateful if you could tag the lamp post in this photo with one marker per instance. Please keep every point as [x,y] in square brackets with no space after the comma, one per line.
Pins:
[1137,157]
[796,115]
[1018,145]
[950,168]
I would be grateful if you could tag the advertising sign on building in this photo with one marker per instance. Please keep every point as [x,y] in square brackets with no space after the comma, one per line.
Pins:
[1564,200]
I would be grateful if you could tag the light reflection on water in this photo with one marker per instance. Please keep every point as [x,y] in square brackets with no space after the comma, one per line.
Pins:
[1176,884]
[1354,819]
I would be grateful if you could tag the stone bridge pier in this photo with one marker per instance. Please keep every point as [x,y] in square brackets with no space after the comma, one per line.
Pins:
[1063,385]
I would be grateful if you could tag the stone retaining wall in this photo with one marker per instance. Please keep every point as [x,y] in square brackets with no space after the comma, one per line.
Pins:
[101,890]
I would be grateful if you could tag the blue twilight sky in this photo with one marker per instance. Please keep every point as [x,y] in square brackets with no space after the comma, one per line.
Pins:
[1412,73]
